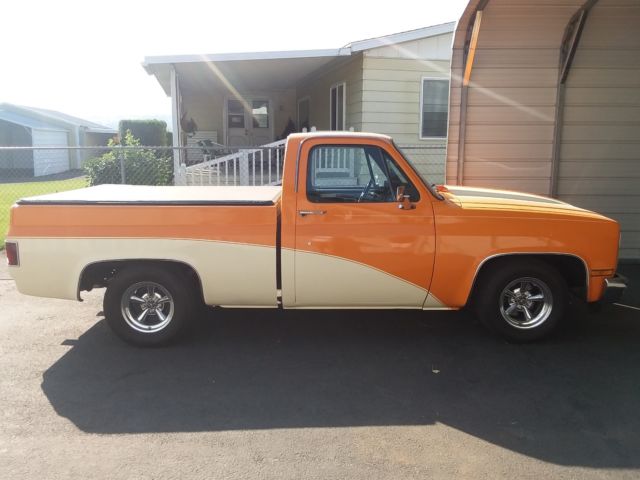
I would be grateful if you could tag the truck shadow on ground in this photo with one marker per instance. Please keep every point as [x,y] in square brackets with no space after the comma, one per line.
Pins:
[572,400]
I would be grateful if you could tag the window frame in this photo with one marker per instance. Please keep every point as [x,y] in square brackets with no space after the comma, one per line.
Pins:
[381,150]
[335,86]
[421,106]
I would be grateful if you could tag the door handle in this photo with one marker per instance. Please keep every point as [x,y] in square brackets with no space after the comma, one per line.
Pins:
[304,213]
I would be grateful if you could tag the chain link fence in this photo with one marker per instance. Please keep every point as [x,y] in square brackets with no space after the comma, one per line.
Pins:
[29,171]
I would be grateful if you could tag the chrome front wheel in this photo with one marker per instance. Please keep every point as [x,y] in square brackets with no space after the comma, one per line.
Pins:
[521,299]
[526,303]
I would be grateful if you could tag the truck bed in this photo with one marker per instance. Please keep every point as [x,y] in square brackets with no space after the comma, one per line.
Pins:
[145,195]
[227,233]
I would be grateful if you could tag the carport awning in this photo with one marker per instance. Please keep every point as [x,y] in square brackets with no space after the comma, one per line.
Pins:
[245,71]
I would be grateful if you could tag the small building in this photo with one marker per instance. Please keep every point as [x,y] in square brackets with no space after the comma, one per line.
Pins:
[36,127]
[545,97]
[396,84]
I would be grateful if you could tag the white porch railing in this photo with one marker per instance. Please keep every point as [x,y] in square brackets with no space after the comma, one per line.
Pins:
[255,166]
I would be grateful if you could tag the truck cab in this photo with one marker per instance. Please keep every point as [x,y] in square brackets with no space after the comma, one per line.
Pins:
[367,225]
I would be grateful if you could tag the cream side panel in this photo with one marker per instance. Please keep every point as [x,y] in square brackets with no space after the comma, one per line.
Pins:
[231,274]
[288,262]
[326,281]
[433,303]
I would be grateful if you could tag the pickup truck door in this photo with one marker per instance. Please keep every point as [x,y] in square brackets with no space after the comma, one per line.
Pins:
[355,245]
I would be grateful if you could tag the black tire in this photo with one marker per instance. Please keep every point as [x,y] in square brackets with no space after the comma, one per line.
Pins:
[165,283]
[504,313]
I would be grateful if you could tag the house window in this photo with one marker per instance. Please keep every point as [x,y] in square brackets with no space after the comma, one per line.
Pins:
[260,113]
[337,103]
[435,106]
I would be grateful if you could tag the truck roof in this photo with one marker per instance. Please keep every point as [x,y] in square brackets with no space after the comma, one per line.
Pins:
[330,133]
[145,195]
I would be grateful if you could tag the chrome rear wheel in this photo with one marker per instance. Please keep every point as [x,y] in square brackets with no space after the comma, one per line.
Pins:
[147,307]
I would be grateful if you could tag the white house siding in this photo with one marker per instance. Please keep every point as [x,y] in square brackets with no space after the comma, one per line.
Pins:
[391,105]
[317,88]
[512,95]
[48,162]
[600,149]
[392,78]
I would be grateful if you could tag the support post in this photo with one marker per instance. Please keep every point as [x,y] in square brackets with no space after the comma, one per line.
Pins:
[123,176]
[243,165]
[176,111]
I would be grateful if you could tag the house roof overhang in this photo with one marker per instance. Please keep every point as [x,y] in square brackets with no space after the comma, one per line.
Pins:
[401,37]
[245,71]
[275,70]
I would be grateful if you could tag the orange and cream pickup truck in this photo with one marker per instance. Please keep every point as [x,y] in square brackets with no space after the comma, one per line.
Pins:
[353,225]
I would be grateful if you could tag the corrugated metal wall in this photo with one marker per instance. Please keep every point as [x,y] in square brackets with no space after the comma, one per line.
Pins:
[600,149]
[512,101]
[512,97]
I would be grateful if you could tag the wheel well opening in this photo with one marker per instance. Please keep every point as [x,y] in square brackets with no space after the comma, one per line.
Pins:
[572,269]
[99,274]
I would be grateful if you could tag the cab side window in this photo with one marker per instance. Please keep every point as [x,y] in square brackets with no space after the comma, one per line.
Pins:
[354,174]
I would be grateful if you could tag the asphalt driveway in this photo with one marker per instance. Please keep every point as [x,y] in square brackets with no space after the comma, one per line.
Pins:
[315,395]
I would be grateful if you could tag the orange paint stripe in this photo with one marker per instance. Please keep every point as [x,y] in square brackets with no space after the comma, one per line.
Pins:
[249,225]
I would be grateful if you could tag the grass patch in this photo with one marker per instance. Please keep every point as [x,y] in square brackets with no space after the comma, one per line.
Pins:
[10,192]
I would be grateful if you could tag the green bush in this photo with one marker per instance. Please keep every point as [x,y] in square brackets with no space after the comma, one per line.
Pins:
[141,165]
[104,169]
[151,133]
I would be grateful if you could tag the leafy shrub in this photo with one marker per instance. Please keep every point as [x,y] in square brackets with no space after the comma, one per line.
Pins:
[149,132]
[141,165]
[104,169]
